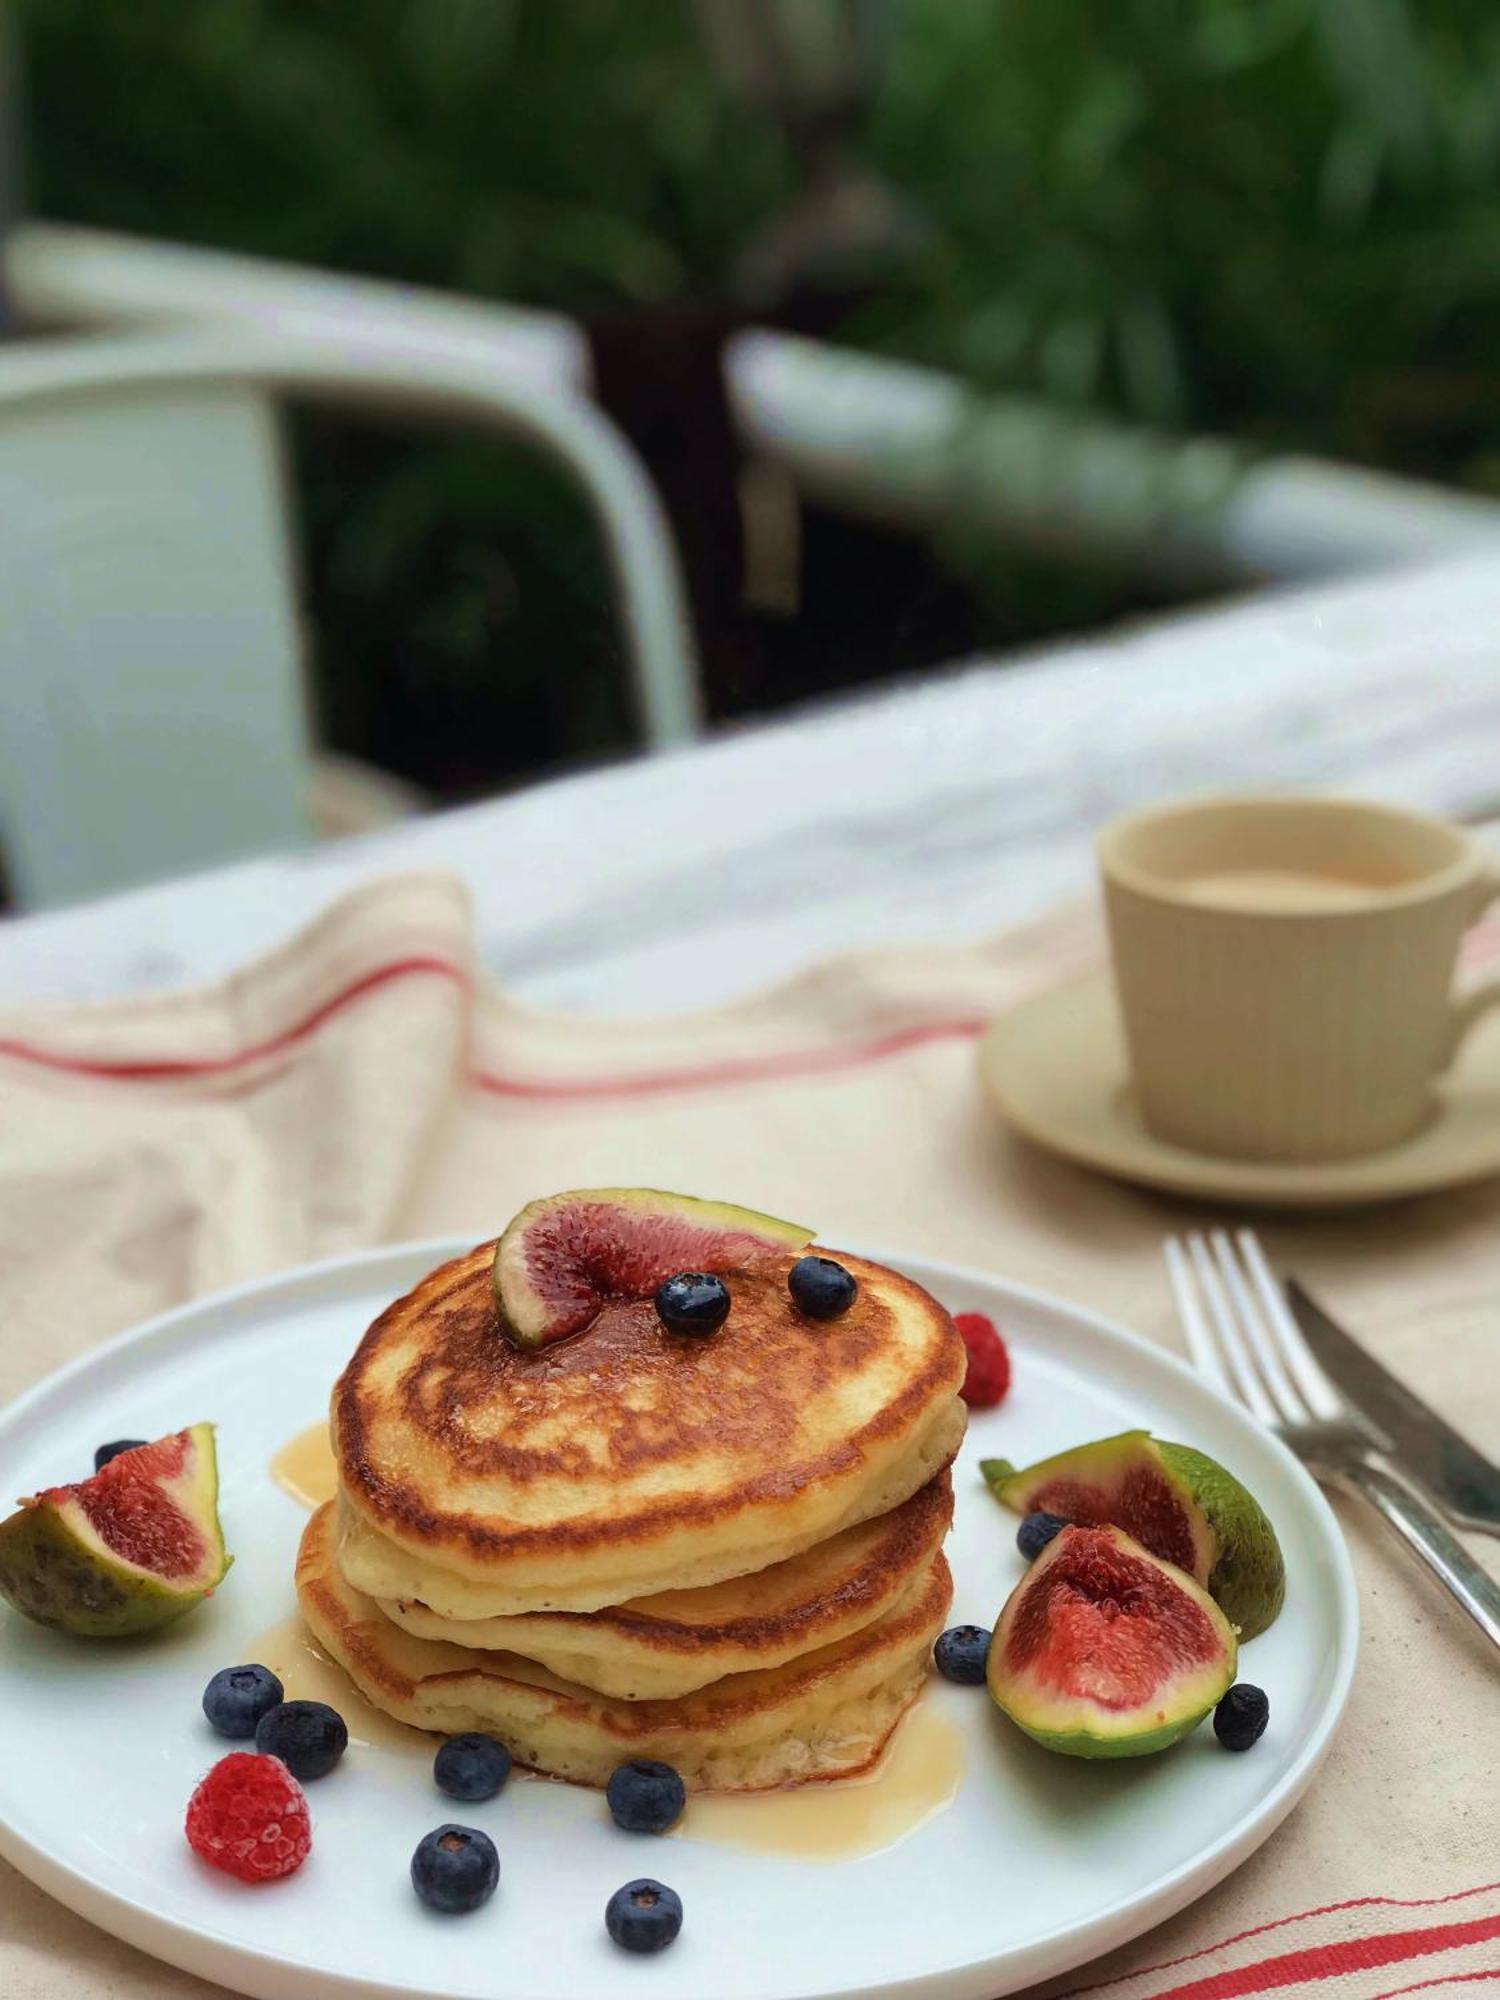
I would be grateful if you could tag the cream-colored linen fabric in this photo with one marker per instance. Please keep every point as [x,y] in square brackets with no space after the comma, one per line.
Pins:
[366,1085]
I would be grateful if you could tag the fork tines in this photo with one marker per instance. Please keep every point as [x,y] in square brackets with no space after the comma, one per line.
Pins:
[1240,1331]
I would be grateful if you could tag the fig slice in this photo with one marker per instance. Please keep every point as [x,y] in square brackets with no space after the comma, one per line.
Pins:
[1177,1502]
[1103,1650]
[565,1257]
[127,1551]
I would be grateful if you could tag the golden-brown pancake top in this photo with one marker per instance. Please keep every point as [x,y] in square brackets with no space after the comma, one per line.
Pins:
[615,1449]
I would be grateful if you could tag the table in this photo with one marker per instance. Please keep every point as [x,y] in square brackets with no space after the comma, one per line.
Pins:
[947,808]
[958,806]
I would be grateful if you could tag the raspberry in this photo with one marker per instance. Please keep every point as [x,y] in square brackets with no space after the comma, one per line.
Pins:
[248,1817]
[988,1375]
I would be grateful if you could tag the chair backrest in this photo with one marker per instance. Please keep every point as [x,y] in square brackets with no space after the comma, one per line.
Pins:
[151,713]
[141,505]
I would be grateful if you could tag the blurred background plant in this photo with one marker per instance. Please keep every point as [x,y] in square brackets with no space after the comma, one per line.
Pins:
[1276,219]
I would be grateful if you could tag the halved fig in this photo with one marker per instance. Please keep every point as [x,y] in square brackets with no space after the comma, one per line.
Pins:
[1177,1502]
[1103,1650]
[127,1551]
[567,1256]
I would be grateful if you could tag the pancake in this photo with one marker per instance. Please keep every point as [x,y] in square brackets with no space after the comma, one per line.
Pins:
[485,1481]
[825,1715]
[656,1647]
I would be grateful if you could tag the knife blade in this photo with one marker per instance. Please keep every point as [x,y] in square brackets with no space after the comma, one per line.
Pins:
[1426,1444]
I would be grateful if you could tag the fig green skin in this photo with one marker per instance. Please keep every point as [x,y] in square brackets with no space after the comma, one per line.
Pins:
[524,1310]
[1194,1700]
[55,1578]
[1245,1574]
[1248,1579]
[1079,1743]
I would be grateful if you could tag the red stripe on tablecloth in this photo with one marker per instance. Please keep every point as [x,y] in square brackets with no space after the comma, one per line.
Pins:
[146,1069]
[732,1069]
[1443,1979]
[643,1083]
[1330,1961]
[1280,1924]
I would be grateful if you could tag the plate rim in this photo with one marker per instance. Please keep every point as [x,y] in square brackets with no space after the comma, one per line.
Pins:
[1196,1877]
[180,1943]
[1143,1161]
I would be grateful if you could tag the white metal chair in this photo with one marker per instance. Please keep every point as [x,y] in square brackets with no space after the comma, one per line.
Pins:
[861,433]
[151,712]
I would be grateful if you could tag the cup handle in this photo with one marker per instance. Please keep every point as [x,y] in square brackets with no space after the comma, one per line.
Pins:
[1464,1013]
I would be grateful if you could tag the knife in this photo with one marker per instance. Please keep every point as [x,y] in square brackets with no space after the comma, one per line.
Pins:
[1463,1479]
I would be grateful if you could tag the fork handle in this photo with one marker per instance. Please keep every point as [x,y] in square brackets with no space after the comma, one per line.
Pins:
[1424,1534]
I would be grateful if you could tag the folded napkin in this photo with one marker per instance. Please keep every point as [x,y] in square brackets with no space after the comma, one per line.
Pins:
[367,1084]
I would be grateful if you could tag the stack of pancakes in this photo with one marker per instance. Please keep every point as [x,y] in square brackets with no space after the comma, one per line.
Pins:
[722,1552]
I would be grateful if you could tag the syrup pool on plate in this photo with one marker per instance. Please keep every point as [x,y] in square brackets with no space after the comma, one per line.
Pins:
[307,1674]
[304,1466]
[917,1776]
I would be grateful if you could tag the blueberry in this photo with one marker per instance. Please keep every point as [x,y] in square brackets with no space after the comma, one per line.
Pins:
[820,1288]
[1036,1531]
[644,1796]
[455,1869]
[961,1653]
[1241,1717]
[237,1697]
[692,1302]
[308,1736]
[644,1915]
[471,1766]
[105,1452]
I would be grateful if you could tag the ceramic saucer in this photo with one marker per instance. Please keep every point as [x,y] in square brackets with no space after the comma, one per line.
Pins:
[1056,1067]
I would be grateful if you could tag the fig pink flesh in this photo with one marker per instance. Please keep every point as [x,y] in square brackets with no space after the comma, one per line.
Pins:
[587,1254]
[1102,1624]
[1145,1504]
[133,1516]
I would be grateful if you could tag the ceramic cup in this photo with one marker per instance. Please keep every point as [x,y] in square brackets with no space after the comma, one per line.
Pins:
[1285,969]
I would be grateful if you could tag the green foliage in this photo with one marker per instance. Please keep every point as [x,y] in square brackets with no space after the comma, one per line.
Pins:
[561,151]
[1273,218]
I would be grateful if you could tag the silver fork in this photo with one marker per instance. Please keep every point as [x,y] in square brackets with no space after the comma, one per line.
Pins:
[1243,1339]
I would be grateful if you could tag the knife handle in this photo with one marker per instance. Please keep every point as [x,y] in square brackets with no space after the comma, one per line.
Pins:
[1423,1532]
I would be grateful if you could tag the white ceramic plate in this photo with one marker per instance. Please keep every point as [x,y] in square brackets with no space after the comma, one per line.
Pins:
[1039,1863]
